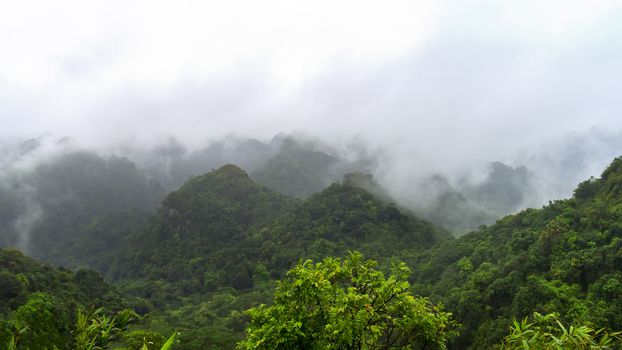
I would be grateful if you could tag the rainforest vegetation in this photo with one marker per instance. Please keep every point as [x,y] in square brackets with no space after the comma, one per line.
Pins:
[290,257]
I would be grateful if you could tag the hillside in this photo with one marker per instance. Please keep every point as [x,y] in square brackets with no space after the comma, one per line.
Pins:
[340,218]
[562,258]
[38,302]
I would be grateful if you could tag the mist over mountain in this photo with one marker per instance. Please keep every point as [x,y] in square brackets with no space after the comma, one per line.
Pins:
[214,247]
[558,163]
[298,165]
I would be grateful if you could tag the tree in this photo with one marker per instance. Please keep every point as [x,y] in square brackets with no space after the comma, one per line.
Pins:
[40,323]
[346,304]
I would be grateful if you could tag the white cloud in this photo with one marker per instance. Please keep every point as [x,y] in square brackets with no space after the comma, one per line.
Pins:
[451,78]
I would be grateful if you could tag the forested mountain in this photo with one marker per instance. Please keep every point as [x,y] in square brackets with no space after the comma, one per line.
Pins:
[199,227]
[343,217]
[224,213]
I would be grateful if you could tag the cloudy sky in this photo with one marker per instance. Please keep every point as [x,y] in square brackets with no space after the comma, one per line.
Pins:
[444,77]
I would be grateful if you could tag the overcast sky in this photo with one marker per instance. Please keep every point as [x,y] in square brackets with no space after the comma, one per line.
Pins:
[446,78]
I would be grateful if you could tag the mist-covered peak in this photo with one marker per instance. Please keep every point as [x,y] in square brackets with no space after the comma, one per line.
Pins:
[368,183]
[227,192]
[437,200]
[278,139]
[504,190]
[299,169]
[230,172]
[225,181]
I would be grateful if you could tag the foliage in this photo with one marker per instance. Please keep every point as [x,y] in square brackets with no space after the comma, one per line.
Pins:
[346,304]
[168,344]
[547,332]
[43,325]
[95,329]
[143,339]
[39,310]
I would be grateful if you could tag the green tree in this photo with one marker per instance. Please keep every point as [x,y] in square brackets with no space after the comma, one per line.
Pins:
[41,323]
[346,304]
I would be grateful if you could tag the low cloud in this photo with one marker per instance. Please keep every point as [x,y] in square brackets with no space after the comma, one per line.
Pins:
[432,87]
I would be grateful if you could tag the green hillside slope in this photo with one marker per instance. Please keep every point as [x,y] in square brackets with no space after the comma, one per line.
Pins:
[564,258]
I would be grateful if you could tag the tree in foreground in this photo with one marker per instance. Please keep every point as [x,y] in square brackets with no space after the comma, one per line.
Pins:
[547,332]
[347,304]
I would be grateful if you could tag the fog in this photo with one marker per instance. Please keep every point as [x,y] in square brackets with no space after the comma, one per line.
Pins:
[422,88]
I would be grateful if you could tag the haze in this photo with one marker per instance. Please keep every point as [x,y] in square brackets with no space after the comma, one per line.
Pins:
[445,83]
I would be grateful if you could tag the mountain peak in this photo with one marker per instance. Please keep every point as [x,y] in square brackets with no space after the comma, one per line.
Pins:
[230,171]
[607,187]
[228,181]
[612,179]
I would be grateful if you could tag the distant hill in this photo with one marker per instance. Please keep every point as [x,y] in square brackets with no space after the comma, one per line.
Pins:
[505,189]
[298,170]
[447,207]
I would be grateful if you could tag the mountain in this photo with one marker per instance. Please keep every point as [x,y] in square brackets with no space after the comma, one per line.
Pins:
[52,207]
[504,191]
[298,170]
[224,214]
[564,258]
[64,198]
[173,164]
[447,207]
[296,165]
[200,227]
[340,218]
